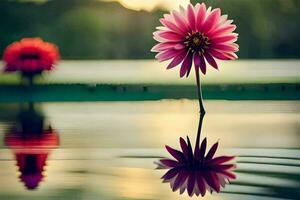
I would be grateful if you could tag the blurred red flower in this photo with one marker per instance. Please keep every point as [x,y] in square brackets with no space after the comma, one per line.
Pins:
[30,56]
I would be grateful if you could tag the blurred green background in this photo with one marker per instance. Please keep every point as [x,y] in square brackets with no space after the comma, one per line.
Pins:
[94,29]
[110,128]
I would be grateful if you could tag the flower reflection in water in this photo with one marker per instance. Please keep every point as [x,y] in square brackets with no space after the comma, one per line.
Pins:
[31,144]
[198,171]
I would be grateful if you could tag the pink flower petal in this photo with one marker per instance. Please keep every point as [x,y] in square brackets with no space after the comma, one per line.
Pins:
[179,46]
[160,165]
[158,38]
[211,60]
[169,162]
[190,149]
[184,148]
[191,17]
[169,36]
[224,38]
[191,183]
[220,160]
[203,149]
[183,187]
[180,179]
[189,70]
[171,26]
[202,65]
[222,30]
[197,60]
[201,16]
[201,183]
[182,11]
[228,174]
[222,20]
[170,174]
[166,55]
[177,60]
[211,20]
[225,47]
[224,167]
[176,154]
[219,55]
[181,22]
[212,180]
[196,190]
[212,151]
[170,18]
[196,10]
[231,55]
[163,46]
[186,65]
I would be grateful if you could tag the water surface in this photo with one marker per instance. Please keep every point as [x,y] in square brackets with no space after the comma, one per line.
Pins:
[106,150]
[153,72]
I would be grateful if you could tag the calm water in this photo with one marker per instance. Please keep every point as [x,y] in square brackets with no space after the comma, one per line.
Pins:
[147,71]
[107,150]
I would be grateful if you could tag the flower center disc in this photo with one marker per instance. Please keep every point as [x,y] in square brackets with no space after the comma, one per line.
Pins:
[196,42]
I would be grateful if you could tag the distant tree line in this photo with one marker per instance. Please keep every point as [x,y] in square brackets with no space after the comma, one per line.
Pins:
[91,29]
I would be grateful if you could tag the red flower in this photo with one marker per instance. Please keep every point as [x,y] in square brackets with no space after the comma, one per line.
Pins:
[30,55]
[196,171]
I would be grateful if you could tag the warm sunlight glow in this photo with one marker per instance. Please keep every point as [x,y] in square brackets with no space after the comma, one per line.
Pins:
[151,4]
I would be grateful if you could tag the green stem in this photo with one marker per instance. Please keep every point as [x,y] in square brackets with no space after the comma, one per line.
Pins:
[199,91]
[27,79]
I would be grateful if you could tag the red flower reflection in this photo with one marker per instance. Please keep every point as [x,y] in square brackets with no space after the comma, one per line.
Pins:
[30,56]
[31,152]
[196,172]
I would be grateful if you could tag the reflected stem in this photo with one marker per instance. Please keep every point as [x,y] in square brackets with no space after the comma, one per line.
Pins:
[197,145]
[202,109]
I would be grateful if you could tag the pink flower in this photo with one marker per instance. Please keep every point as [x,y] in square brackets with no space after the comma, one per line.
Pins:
[195,35]
[196,172]
[30,56]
